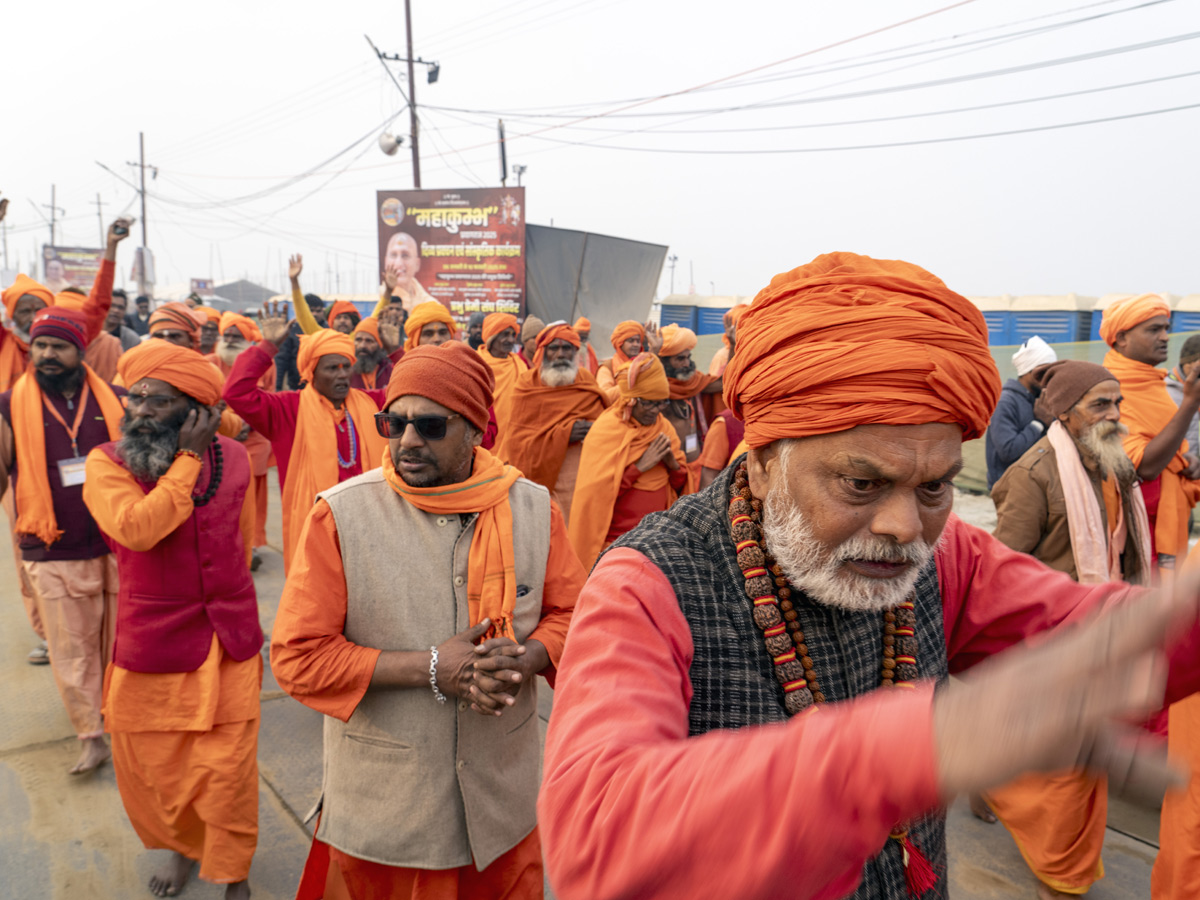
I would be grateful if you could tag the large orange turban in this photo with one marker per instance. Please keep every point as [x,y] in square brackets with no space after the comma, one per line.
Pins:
[583,324]
[1130,313]
[22,286]
[214,315]
[676,340]
[849,340]
[643,378]
[178,316]
[451,374]
[70,300]
[555,331]
[183,369]
[423,314]
[325,342]
[624,332]
[342,308]
[244,324]
[496,323]
[370,327]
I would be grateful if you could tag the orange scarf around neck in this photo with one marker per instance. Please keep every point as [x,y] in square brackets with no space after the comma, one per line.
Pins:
[35,504]
[14,357]
[491,565]
[313,466]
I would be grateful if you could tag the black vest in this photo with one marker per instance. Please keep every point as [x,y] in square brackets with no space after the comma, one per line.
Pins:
[733,683]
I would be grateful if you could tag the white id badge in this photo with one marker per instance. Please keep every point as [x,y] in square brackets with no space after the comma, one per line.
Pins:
[71,471]
[691,444]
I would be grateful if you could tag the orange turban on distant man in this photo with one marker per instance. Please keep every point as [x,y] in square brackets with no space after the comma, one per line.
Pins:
[214,315]
[848,340]
[369,326]
[22,286]
[624,332]
[496,323]
[583,324]
[181,368]
[425,314]
[178,316]
[676,340]
[342,308]
[555,331]
[325,342]
[1130,313]
[244,324]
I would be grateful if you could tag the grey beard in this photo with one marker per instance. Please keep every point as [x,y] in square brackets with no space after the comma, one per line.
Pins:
[228,353]
[368,363]
[560,373]
[1103,442]
[148,456]
[682,374]
[23,335]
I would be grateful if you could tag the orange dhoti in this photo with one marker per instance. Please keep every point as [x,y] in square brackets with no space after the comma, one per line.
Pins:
[331,874]
[185,752]
[1176,872]
[27,598]
[1058,822]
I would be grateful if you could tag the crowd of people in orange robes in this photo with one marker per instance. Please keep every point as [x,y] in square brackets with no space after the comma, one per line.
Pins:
[447,487]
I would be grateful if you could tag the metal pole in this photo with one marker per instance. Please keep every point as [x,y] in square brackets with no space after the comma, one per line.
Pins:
[100,216]
[412,97]
[53,207]
[142,165]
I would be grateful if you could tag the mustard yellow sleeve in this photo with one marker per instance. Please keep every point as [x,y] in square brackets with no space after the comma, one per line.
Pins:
[304,316]
[130,517]
[385,299]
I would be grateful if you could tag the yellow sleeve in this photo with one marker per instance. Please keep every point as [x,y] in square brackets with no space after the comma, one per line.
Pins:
[130,517]
[304,316]
[384,300]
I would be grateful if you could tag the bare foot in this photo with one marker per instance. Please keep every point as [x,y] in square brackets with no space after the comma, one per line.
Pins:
[93,754]
[1045,892]
[170,879]
[239,890]
[981,810]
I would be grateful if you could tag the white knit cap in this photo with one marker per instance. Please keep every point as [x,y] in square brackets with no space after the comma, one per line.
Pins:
[1033,353]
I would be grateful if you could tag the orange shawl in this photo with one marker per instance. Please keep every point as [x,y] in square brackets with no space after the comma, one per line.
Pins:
[686,390]
[539,426]
[14,357]
[35,506]
[491,562]
[507,370]
[1146,411]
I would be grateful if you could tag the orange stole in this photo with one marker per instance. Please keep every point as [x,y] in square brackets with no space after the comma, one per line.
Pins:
[507,369]
[14,356]
[1058,823]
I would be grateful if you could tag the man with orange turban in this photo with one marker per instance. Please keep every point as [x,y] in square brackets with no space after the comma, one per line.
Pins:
[631,464]
[628,340]
[499,337]
[210,331]
[692,393]
[177,323]
[587,356]
[320,434]
[480,582]
[553,407]
[1136,329]
[104,349]
[376,351]
[429,323]
[49,421]
[826,574]
[181,694]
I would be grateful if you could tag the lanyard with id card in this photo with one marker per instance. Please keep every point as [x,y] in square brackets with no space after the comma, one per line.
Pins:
[71,471]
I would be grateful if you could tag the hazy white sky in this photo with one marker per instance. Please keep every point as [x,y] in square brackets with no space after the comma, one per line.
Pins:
[240,98]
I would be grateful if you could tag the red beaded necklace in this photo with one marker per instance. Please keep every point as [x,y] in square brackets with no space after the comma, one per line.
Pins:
[776,616]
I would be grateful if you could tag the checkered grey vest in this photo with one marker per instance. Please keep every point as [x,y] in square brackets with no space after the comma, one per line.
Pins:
[733,684]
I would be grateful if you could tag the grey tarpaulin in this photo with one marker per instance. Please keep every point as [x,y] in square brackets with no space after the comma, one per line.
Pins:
[569,274]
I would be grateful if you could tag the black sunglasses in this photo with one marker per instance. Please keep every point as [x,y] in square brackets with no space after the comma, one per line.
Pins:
[430,428]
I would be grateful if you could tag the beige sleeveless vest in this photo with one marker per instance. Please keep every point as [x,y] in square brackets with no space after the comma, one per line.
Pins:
[408,781]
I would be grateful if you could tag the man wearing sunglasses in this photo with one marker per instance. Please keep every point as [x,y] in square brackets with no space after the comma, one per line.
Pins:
[427,680]
[552,409]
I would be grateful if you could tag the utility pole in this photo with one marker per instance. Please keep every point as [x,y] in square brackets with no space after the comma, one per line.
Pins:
[100,217]
[672,259]
[412,97]
[519,170]
[691,278]
[142,166]
[54,210]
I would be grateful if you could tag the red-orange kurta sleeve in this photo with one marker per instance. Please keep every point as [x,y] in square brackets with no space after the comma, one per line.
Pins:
[127,514]
[819,807]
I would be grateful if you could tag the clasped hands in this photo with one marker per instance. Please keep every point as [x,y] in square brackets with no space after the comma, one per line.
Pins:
[490,674]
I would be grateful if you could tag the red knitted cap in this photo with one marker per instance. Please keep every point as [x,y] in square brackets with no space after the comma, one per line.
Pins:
[451,374]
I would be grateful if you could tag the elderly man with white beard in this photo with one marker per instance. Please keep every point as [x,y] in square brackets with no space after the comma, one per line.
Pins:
[552,408]
[1071,501]
[754,701]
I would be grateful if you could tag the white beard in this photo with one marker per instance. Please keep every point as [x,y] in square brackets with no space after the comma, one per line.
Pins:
[228,353]
[1103,441]
[561,375]
[820,572]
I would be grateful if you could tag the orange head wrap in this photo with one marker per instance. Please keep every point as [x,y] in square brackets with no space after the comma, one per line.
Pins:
[70,300]
[676,340]
[643,378]
[624,332]
[1130,313]
[848,340]
[342,308]
[496,323]
[214,315]
[553,332]
[451,374]
[178,317]
[182,369]
[325,342]
[369,326]
[583,324]
[22,286]
[423,314]
[244,324]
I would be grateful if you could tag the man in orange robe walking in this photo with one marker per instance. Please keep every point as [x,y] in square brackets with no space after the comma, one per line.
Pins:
[429,697]
[499,338]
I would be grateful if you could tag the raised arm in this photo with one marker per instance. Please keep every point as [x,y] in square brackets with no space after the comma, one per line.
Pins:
[100,299]
[304,317]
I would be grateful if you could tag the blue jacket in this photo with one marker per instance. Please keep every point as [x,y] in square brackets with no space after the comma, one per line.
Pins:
[1012,431]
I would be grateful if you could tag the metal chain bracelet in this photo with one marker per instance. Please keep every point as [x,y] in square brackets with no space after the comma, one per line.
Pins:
[433,658]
